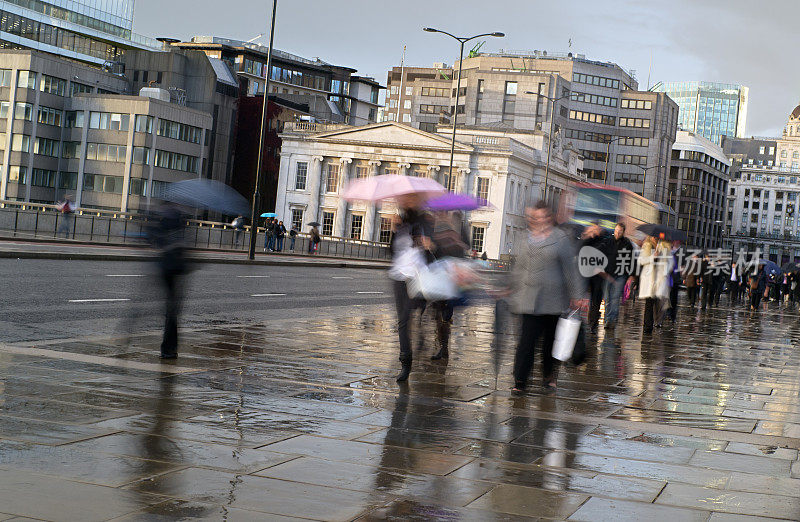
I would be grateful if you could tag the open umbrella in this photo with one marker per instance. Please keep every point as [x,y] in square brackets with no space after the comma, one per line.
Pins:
[451,201]
[269,214]
[770,267]
[789,267]
[207,194]
[662,231]
[390,186]
[313,224]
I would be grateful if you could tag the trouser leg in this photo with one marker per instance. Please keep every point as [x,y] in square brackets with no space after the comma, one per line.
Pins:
[549,363]
[673,301]
[403,306]
[595,298]
[649,310]
[169,343]
[524,357]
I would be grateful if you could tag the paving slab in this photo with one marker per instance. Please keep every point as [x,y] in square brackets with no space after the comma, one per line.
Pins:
[736,502]
[608,510]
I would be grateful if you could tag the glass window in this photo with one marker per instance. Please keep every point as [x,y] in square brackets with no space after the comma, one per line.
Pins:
[482,189]
[17,174]
[407,104]
[20,143]
[409,91]
[301,175]
[5,77]
[297,218]
[332,178]
[141,155]
[478,233]
[137,187]
[53,85]
[511,88]
[23,111]
[143,123]
[406,118]
[327,223]
[355,226]
[26,80]
[4,109]
[385,231]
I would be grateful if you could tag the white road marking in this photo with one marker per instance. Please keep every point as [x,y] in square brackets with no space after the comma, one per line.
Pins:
[96,300]
[266,295]
[124,275]
[259,276]
[369,292]
[341,277]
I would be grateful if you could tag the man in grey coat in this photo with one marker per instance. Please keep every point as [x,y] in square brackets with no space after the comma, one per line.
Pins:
[546,283]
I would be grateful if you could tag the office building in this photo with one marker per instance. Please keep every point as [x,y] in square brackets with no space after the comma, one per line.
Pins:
[505,167]
[67,128]
[708,109]
[97,32]
[753,151]
[698,183]
[625,135]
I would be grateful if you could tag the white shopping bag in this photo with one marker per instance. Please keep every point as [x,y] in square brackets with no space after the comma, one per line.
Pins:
[433,283]
[406,264]
[567,330]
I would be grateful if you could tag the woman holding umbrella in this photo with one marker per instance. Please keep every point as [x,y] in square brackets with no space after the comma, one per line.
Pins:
[314,240]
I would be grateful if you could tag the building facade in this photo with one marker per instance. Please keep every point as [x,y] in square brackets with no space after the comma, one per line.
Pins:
[91,31]
[709,109]
[506,168]
[66,128]
[698,183]
[625,135]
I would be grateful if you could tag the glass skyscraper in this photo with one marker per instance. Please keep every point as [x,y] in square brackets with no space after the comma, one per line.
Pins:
[709,109]
[92,31]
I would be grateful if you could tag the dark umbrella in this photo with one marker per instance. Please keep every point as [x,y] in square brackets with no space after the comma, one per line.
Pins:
[207,194]
[770,267]
[669,233]
[789,267]
[313,224]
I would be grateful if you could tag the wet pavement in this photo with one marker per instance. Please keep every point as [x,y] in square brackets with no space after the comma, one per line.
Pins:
[302,419]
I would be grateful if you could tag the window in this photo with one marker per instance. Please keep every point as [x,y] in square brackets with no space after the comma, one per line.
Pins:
[362,172]
[631,160]
[783,154]
[407,104]
[637,104]
[406,118]
[137,187]
[385,231]
[141,156]
[511,88]
[53,85]
[175,161]
[327,223]
[109,121]
[588,79]
[427,127]
[771,151]
[332,178]
[594,118]
[98,183]
[434,109]
[143,123]
[297,218]
[482,188]
[17,174]
[26,79]
[795,155]
[73,119]
[606,101]
[393,103]
[590,136]
[395,89]
[642,123]
[5,77]
[68,180]
[43,178]
[76,88]
[46,147]
[436,91]
[23,111]
[478,234]
[4,109]
[48,116]
[105,152]
[301,175]
[761,150]
[355,226]
[71,149]
[20,143]
[179,131]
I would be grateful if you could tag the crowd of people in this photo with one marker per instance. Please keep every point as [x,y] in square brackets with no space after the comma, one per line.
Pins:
[546,281]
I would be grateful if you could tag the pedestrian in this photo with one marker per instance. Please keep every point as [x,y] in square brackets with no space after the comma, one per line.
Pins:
[621,267]
[758,286]
[707,279]
[674,281]
[67,209]
[545,283]
[410,247]
[292,237]
[238,226]
[314,241]
[484,257]
[655,260]
[280,233]
[269,235]
[719,276]
[691,278]
[167,236]
[448,241]
[796,287]
[594,237]
[733,285]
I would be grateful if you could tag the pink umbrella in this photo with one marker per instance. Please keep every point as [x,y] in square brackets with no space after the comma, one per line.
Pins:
[390,186]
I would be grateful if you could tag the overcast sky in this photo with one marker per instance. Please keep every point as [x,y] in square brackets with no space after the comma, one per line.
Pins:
[736,41]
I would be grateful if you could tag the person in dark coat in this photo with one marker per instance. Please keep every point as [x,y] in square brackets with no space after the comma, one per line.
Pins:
[594,237]
[707,277]
[280,233]
[758,285]
[675,280]
[691,277]
[620,270]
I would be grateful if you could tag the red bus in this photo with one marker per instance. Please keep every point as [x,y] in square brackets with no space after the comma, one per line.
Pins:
[607,205]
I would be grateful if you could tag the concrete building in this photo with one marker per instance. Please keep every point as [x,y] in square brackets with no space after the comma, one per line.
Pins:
[97,32]
[505,167]
[365,91]
[709,109]
[753,151]
[620,130]
[698,184]
[66,128]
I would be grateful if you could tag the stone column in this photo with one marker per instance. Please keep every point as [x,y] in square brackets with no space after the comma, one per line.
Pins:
[404,167]
[433,172]
[314,183]
[463,176]
[341,208]
[369,218]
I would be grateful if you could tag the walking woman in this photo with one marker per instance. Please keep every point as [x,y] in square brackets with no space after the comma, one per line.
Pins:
[545,283]
[758,286]
[690,277]
[655,260]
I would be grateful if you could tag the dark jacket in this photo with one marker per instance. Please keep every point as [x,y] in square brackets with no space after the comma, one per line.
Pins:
[280,230]
[620,253]
[597,242]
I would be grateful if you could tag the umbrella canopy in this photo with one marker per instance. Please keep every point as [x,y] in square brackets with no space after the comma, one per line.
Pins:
[770,267]
[669,233]
[269,214]
[313,224]
[207,194]
[390,186]
[451,201]
[789,267]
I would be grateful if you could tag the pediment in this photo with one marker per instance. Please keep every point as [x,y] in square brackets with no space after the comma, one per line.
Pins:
[387,133]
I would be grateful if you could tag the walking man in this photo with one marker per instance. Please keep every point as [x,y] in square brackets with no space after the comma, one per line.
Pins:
[620,269]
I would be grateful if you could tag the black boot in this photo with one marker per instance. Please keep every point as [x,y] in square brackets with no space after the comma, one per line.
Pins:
[443,353]
[405,370]
[443,336]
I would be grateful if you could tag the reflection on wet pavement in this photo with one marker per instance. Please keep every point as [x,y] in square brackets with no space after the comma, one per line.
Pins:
[303,420]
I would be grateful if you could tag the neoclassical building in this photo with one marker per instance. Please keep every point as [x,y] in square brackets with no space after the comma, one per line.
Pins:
[506,168]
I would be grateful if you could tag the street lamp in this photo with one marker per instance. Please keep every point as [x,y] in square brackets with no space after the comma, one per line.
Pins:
[644,176]
[462,40]
[550,137]
[608,153]
[256,193]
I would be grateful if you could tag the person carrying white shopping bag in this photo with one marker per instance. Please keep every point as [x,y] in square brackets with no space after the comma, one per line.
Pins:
[567,330]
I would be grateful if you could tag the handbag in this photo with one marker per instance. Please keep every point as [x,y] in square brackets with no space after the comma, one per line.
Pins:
[627,290]
[579,352]
[433,282]
[567,330]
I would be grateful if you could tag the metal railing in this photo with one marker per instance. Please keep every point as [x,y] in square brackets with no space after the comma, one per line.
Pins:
[42,221]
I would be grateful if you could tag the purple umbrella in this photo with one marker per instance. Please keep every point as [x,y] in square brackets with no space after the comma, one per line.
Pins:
[456,202]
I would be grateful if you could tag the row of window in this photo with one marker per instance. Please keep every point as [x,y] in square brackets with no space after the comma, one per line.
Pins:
[435,91]
[795,154]
[631,160]
[594,155]
[592,117]
[175,161]
[642,123]
[593,99]
[179,131]
[600,81]
[637,104]
[434,109]
[69,181]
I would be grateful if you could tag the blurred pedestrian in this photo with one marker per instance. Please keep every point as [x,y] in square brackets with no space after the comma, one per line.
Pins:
[545,283]
[594,237]
[292,237]
[707,279]
[67,209]
[758,285]
[655,260]
[238,226]
[691,275]
[280,233]
[621,267]
[733,284]
[269,235]
[314,241]
[674,281]
[448,241]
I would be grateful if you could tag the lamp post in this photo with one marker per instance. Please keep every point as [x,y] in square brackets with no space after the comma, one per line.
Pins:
[462,40]
[644,177]
[608,153]
[550,137]
[256,191]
